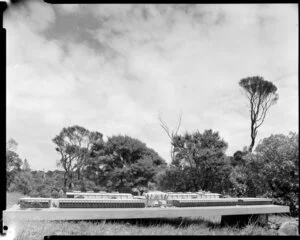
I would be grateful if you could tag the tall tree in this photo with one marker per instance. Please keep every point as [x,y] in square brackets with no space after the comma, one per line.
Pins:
[74,145]
[261,95]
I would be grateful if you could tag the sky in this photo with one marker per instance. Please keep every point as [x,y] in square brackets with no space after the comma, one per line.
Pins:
[116,68]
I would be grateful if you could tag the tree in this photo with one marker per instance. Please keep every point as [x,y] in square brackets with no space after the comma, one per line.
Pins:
[175,179]
[22,183]
[204,156]
[280,169]
[245,177]
[238,158]
[11,144]
[261,95]
[25,166]
[171,134]
[273,171]
[126,163]
[74,145]
[13,162]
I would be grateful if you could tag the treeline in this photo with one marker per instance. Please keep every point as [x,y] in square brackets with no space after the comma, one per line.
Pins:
[272,170]
[89,163]
[126,164]
[20,178]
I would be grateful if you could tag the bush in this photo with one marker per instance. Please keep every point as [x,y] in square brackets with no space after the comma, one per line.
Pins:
[175,179]
[45,193]
[273,172]
[34,193]
[98,189]
[12,188]
[61,193]
[23,183]
[280,157]
[55,194]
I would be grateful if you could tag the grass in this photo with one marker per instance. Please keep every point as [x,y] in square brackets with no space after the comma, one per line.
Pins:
[12,198]
[202,226]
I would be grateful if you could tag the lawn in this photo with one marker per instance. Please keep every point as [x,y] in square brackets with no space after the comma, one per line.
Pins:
[208,226]
[12,198]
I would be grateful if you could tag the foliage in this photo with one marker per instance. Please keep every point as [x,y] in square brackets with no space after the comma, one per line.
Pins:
[175,179]
[22,183]
[13,162]
[74,145]
[261,95]
[25,166]
[280,170]
[204,156]
[55,194]
[246,178]
[124,163]
[238,158]
[273,171]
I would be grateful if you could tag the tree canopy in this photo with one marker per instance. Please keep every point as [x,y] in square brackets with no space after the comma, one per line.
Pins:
[126,163]
[74,145]
[202,157]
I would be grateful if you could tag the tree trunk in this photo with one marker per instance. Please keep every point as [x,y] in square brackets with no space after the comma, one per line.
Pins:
[252,143]
[65,181]
[71,181]
[78,174]
[195,180]
[195,185]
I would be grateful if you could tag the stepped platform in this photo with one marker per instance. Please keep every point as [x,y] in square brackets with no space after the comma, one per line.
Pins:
[16,213]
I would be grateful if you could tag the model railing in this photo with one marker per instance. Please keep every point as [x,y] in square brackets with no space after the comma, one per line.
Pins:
[100,203]
[220,202]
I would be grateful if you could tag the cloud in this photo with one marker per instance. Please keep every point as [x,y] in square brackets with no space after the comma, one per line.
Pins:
[114,68]
[68,8]
[38,15]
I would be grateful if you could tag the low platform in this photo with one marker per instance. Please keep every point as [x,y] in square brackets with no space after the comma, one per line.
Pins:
[15,213]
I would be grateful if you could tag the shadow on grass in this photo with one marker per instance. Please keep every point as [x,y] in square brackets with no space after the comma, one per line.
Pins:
[175,222]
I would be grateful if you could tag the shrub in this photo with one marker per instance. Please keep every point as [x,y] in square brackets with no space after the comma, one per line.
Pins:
[45,193]
[98,189]
[34,193]
[23,183]
[280,169]
[61,193]
[55,194]
[273,172]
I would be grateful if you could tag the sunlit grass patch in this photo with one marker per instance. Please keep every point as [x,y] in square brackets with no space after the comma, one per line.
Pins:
[12,198]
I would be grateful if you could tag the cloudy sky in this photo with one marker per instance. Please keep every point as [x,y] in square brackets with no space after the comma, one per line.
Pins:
[116,68]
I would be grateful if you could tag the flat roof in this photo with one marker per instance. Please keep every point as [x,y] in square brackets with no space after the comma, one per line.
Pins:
[88,193]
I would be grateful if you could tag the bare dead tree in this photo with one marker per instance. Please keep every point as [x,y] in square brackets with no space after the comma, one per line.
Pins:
[171,134]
